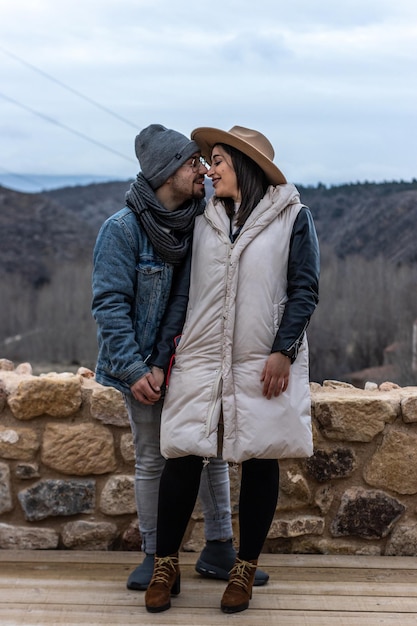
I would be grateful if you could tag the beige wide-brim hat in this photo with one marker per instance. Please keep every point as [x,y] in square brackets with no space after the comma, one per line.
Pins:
[250,142]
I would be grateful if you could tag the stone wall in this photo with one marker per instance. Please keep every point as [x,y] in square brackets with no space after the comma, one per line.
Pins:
[67,470]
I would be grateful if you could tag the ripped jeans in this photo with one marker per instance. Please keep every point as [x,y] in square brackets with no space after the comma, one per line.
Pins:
[214,492]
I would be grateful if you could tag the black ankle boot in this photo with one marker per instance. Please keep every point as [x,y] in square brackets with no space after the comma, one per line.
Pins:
[140,578]
[217,559]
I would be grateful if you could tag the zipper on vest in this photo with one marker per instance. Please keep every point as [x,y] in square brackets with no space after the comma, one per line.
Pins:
[213,401]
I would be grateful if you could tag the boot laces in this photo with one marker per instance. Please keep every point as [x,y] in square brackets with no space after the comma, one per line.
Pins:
[164,566]
[241,572]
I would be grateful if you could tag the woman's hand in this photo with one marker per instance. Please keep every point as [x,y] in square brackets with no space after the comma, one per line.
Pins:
[275,375]
[158,374]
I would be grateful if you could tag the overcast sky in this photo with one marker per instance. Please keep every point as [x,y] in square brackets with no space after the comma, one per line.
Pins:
[333,85]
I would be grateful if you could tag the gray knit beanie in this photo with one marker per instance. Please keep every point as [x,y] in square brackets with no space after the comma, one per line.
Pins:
[161,151]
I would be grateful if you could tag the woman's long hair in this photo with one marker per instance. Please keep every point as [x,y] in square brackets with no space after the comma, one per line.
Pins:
[252,183]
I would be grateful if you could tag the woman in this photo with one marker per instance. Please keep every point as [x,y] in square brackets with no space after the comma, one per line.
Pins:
[240,385]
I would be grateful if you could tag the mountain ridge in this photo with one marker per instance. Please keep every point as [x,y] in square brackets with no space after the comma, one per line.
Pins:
[40,230]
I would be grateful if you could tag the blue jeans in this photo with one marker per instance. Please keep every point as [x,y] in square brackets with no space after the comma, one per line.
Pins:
[214,493]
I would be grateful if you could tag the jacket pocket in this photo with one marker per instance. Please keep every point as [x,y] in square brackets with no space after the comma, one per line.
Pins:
[153,283]
[149,266]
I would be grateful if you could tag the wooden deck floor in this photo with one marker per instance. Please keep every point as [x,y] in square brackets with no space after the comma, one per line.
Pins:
[67,588]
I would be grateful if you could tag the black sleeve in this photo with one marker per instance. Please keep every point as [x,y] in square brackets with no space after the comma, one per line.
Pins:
[303,283]
[174,317]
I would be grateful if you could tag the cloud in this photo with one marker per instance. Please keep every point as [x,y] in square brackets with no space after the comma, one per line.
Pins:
[333,85]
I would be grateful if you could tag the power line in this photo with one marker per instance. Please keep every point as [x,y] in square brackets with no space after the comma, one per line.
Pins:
[56,122]
[22,177]
[68,88]
[65,127]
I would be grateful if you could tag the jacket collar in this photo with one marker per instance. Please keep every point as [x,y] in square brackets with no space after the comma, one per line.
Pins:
[271,205]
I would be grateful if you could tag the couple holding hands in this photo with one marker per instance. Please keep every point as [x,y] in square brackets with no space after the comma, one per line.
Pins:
[235,281]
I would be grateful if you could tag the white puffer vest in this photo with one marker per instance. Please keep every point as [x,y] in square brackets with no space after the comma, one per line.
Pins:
[237,297]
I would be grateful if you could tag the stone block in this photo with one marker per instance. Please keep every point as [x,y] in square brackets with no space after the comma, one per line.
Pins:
[118,495]
[324,497]
[355,417]
[127,447]
[403,541]
[84,535]
[409,409]
[49,498]
[23,538]
[368,514]
[6,503]
[296,526]
[108,406]
[131,539]
[294,491]
[57,395]
[18,443]
[27,471]
[79,449]
[326,465]
[394,464]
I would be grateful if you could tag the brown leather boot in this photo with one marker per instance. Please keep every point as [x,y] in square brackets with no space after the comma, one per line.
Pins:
[239,590]
[165,581]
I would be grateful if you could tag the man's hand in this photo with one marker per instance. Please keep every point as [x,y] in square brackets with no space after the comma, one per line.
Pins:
[275,375]
[148,388]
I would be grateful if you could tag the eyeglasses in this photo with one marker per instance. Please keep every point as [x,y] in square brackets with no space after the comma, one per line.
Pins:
[197,162]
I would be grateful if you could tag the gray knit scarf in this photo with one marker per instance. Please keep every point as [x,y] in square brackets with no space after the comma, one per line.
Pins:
[171,246]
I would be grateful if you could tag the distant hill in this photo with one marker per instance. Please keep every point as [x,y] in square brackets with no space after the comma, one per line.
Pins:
[367,219]
[38,231]
[92,203]
[38,183]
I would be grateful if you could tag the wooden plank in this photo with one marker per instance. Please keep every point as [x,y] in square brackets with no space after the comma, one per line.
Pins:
[64,571]
[199,597]
[189,558]
[365,575]
[320,589]
[193,583]
[277,561]
[73,556]
[77,615]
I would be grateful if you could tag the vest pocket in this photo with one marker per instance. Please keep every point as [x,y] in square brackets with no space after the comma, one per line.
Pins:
[278,313]
[215,403]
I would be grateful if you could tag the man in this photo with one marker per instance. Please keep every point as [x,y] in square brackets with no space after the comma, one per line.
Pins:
[141,259]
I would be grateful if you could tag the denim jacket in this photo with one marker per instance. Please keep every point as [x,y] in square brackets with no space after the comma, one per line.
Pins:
[131,286]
